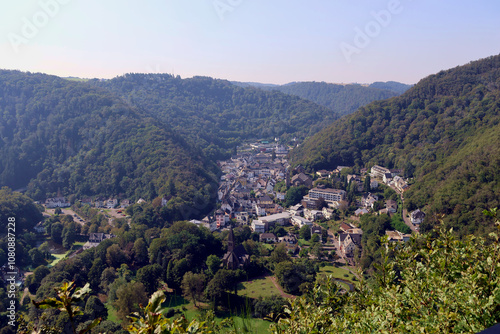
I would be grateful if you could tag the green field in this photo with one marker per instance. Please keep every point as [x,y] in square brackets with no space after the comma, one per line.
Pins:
[58,257]
[243,324]
[260,287]
[338,272]
[111,313]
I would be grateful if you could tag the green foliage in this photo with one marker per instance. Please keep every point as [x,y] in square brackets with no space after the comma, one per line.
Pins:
[150,276]
[16,205]
[193,286]
[305,232]
[294,195]
[128,298]
[435,284]
[279,254]
[67,296]
[81,140]
[151,320]
[213,263]
[292,275]
[398,224]
[444,130]
[267,306]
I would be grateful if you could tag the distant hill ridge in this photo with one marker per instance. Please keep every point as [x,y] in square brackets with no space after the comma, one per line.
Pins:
[339,97]
[215,115]
[444,131]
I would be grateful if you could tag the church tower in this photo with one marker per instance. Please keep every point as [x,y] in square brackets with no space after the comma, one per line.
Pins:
[230,240]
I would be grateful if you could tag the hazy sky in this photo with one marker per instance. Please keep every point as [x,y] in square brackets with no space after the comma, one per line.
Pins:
[272,41]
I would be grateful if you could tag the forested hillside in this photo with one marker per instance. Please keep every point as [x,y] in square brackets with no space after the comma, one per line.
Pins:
[343,99]
[444,131]
[394,86]
[60,135]
[216,115]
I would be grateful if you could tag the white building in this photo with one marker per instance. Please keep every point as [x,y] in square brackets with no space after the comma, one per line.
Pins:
[300,221]
[56,202]
[278,218]
[258,226]
[329,195]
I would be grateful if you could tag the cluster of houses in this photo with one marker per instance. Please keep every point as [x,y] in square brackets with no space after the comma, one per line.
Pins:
[110,203]
[247,187]
[391,177]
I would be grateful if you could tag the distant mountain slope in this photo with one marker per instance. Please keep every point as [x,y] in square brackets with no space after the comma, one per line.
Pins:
[397,87]
[216,115]
[65,135]
[343,99]
[445,131]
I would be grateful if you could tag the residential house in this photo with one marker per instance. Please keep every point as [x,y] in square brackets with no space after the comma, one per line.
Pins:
[242,217]
[349,242]
[373,184]
[379,171]
[267,237]
[140,201]
[265,200]
[221,218]
[226,207]
[357,179]
[56,202]
[270,185]
[281,150]
[313,214]
[111,203]
[296,210]
[86,201]
[323,173]
[39,228]
[397,236]
[288,239]
[311,204]
[400,183]
[301,179]
[360,211]
[387,178]
[344,227]
[95,239]
[211,226]
[417,217]
[125,203]
[280,196]
[300,221]
[368,200]
[391,206]
[259,210]
[327,213]
[263,158]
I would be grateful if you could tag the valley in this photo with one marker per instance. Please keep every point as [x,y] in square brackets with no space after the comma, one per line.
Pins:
[232,203]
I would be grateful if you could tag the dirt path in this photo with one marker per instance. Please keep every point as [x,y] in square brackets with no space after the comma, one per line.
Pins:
[283,293]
